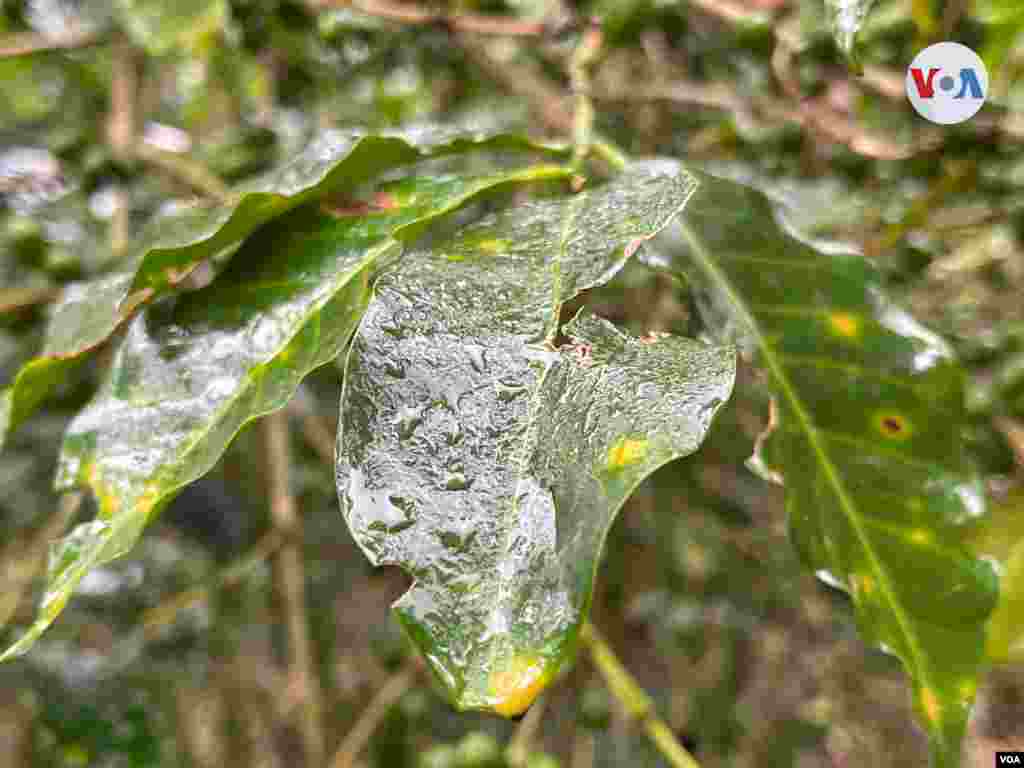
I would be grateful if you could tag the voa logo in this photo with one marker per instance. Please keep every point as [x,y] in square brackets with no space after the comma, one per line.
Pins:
[947,83]
[1009,758]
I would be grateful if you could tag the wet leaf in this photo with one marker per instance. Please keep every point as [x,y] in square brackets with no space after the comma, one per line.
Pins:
[186,378]
[846,17]
[868,438]
[174,246]
[490,465]
[84,317]
[1002,538]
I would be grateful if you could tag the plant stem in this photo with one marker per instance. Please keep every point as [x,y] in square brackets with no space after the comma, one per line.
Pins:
[26,43]
[291,585]
[358,737]
[518,752]
[635,700]
[412,15]
[20,561]
[583,58]
[192,173]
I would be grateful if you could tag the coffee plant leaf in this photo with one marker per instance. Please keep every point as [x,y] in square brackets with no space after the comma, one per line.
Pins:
[487,454]
[190,374]
[1002,539]
[866,437]
[173,246]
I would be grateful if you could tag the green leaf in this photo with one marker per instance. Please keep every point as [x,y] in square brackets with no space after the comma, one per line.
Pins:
[870,410]
[846,17]
[84,317]
[187,377]
[174,246]
[489,464]
[1002,539]
[159,27]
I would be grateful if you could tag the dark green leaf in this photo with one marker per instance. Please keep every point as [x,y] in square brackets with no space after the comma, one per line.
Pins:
[183,383]
[868,438]
[174,246]
[489,464]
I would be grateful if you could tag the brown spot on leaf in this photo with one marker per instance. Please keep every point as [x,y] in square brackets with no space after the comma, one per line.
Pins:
[893,425]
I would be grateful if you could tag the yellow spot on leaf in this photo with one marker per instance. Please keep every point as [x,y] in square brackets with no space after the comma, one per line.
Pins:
[515,687]
[863,584]
[493,245]
[844,324]
[931,705]
[626,452]
[967,689]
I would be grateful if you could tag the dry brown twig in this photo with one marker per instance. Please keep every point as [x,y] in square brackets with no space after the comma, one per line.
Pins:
[27,43]
[22,560]
[359,736]
[412,15]
[518,752]
[290,578]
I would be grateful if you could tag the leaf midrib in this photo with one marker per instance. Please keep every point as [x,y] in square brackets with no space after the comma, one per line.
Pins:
[831,473]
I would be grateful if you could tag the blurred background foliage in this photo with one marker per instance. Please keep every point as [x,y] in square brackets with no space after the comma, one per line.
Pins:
[112,112]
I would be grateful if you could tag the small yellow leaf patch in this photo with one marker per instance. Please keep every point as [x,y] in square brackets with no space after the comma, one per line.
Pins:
[844,324]
[931,705]
[517,685]
[625,453]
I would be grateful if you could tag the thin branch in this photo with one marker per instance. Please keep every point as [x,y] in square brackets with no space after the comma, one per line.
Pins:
[359,736]
[184,169]
[22,560]
[316,430]
[635,700]
[17,299]
[583,58]
[413,15]
[291,585]
[122,134]
[525,81]
[518,752]
[26,43]
[124,83]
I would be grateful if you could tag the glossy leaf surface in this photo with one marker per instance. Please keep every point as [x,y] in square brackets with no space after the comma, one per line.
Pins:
[487,463]
[85,317]
[185,380]
[870,409]
[846,17]
[173,246]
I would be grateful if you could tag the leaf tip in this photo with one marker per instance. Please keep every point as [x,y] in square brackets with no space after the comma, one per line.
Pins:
[515,686]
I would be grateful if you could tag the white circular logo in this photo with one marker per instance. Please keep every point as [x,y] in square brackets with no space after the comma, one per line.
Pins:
[947,83]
